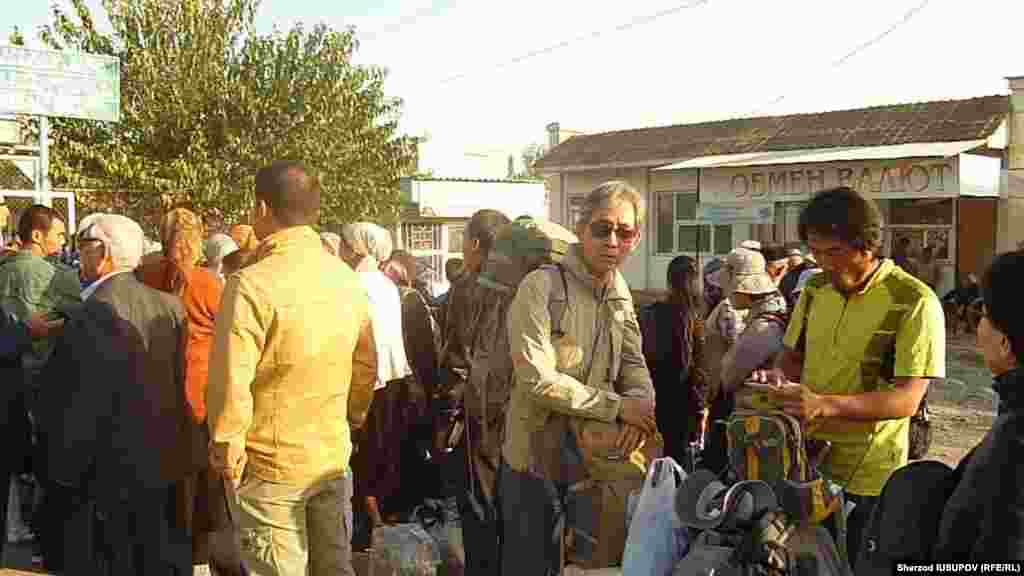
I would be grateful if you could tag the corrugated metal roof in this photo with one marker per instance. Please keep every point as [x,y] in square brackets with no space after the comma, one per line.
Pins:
[818,155]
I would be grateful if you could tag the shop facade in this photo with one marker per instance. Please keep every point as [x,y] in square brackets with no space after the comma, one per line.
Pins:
[944,194]
[948,201]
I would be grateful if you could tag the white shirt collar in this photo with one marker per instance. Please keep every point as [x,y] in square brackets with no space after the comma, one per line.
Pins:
[92,287]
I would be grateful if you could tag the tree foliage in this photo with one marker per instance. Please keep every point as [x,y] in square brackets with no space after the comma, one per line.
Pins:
[529,155]
[206,101]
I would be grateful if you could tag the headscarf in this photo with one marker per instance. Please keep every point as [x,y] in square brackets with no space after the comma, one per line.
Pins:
[332,241]
[181,234]
[217,247]
[368,240]
[401,267]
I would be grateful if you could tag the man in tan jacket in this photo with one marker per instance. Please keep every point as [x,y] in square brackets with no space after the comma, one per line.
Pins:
[593,372]
[291,371]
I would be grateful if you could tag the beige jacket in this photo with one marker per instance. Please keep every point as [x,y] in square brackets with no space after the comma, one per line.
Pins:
[293,363]
[598,362]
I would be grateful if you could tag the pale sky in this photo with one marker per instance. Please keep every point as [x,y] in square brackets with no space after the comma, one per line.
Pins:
[720,59]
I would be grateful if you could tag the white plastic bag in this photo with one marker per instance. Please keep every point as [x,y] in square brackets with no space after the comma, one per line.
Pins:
[404,550]
[657,541]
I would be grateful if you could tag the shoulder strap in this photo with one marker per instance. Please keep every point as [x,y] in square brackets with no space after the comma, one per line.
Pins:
[558,303]
[801,342]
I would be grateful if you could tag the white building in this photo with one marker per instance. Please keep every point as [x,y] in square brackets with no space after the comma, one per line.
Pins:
[437,210]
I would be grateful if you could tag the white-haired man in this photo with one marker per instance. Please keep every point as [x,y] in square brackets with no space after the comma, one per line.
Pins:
[118,438]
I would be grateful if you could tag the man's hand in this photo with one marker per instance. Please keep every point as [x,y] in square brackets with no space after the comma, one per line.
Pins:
[774,376]
[40,327]
[229,470]
[639,412]
[630,440]
[798,401]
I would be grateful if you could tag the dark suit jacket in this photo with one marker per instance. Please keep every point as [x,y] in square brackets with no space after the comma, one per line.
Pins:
[114,415]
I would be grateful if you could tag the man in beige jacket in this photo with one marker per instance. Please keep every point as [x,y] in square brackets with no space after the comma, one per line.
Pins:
[594,371]
[292,367]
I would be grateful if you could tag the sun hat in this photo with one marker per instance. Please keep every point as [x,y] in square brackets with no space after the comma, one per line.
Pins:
[745,271]
[751,245]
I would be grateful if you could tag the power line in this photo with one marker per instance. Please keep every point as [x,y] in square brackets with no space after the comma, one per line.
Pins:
[639,21]
[785,120]
[907,17]
[402,23]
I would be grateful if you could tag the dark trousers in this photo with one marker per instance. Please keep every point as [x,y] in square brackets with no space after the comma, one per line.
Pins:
[533,514]
[481,527]
[142,536]
[68,531]
[855,524]
[5,490]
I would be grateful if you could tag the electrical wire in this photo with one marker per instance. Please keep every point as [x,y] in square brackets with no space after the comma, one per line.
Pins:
[907,17]
[639,21]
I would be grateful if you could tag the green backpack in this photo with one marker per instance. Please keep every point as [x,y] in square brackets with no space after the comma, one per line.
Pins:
[521,247]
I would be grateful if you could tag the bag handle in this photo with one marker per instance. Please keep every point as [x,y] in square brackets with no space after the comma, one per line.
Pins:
[657,473]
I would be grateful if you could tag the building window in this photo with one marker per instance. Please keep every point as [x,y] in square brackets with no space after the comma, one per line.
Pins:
[787,221]
[456,232]
[678,229]
[575,211]
[421,237]
[924,221]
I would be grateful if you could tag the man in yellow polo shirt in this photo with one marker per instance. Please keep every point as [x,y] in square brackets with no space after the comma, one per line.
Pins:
[864,340]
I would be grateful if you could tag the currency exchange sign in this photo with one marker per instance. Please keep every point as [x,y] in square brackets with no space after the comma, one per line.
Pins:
[60,84]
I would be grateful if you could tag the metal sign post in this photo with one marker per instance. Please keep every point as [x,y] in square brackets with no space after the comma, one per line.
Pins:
[43,167]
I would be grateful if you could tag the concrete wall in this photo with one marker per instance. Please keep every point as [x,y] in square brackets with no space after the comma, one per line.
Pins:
[556,199]
[1011,211]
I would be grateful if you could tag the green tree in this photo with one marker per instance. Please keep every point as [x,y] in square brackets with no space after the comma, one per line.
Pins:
[206,101]
[529,154]
[16,38]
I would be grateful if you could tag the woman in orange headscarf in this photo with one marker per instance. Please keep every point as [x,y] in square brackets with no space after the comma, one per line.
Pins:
[244,236]
[178,272]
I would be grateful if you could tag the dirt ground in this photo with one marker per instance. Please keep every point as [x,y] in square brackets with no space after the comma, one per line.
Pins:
[963,406]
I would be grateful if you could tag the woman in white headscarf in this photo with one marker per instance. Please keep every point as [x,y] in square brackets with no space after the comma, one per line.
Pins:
[377,464]
[364,246]
[217,247]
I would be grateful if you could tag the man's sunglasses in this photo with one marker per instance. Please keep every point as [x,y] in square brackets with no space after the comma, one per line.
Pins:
[604,229]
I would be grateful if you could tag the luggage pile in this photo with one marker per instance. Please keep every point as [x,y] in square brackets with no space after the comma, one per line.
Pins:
[764,516]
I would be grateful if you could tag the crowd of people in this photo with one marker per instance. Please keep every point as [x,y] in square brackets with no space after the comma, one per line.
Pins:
[260,401]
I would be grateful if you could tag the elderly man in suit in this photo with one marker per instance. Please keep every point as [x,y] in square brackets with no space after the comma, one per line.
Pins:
[119,438]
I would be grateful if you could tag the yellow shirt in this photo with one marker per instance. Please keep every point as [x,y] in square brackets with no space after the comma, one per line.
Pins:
[293,363]
[847,342]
